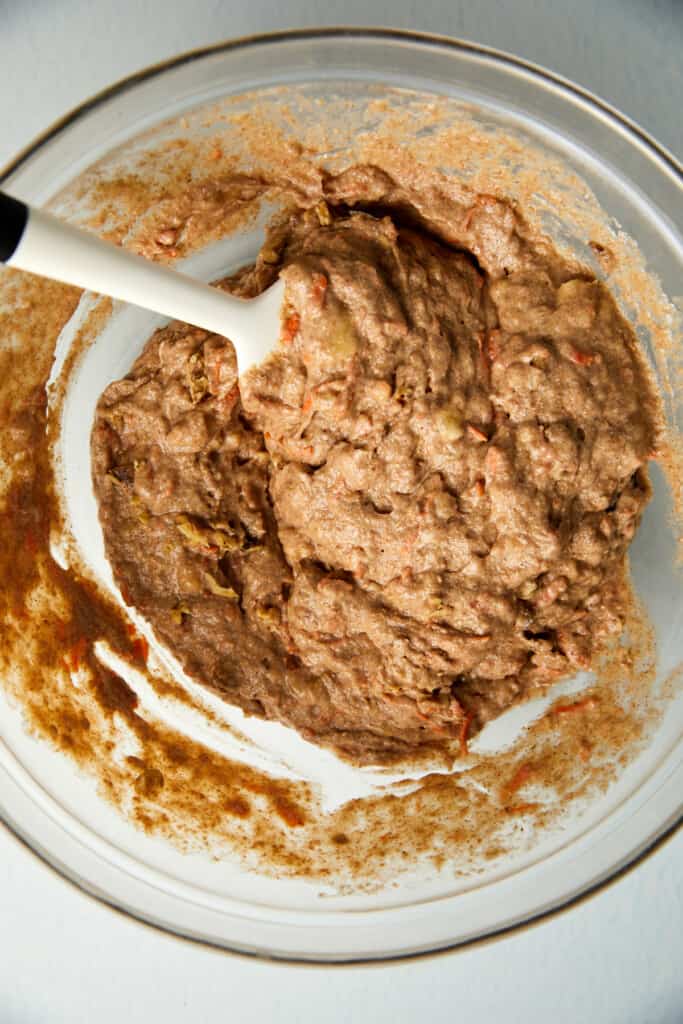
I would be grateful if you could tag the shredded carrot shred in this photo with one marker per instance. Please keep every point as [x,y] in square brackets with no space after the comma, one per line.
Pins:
[467,219]
[141,648]
[476,433]
[483,354]
[291,328]
[319,288]
[582,358]
[579,705]
[73,659]
[138,643]
[521,776]
[227,400]
[522,808]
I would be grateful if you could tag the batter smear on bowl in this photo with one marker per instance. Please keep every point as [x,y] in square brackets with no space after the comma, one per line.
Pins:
[416,512]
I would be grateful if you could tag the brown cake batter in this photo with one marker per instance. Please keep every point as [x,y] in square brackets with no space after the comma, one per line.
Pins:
[417,511]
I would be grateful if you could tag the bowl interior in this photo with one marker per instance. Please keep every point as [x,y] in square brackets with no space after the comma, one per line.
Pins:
[581,175]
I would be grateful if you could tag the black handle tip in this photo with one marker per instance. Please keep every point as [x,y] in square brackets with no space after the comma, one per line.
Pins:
[13,217]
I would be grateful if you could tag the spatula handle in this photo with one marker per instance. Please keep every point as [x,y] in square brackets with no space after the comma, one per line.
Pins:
[33,240]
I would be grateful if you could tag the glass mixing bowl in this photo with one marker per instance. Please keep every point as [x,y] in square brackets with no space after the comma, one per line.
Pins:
[640,187]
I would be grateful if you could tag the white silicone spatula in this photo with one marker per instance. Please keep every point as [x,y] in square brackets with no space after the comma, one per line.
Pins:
[33,240]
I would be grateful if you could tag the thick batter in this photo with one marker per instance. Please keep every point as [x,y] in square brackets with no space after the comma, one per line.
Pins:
[417,511]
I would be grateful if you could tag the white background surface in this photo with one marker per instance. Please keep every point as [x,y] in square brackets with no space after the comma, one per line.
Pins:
[616,958]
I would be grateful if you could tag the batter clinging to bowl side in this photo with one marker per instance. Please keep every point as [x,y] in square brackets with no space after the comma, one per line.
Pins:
[417,511]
